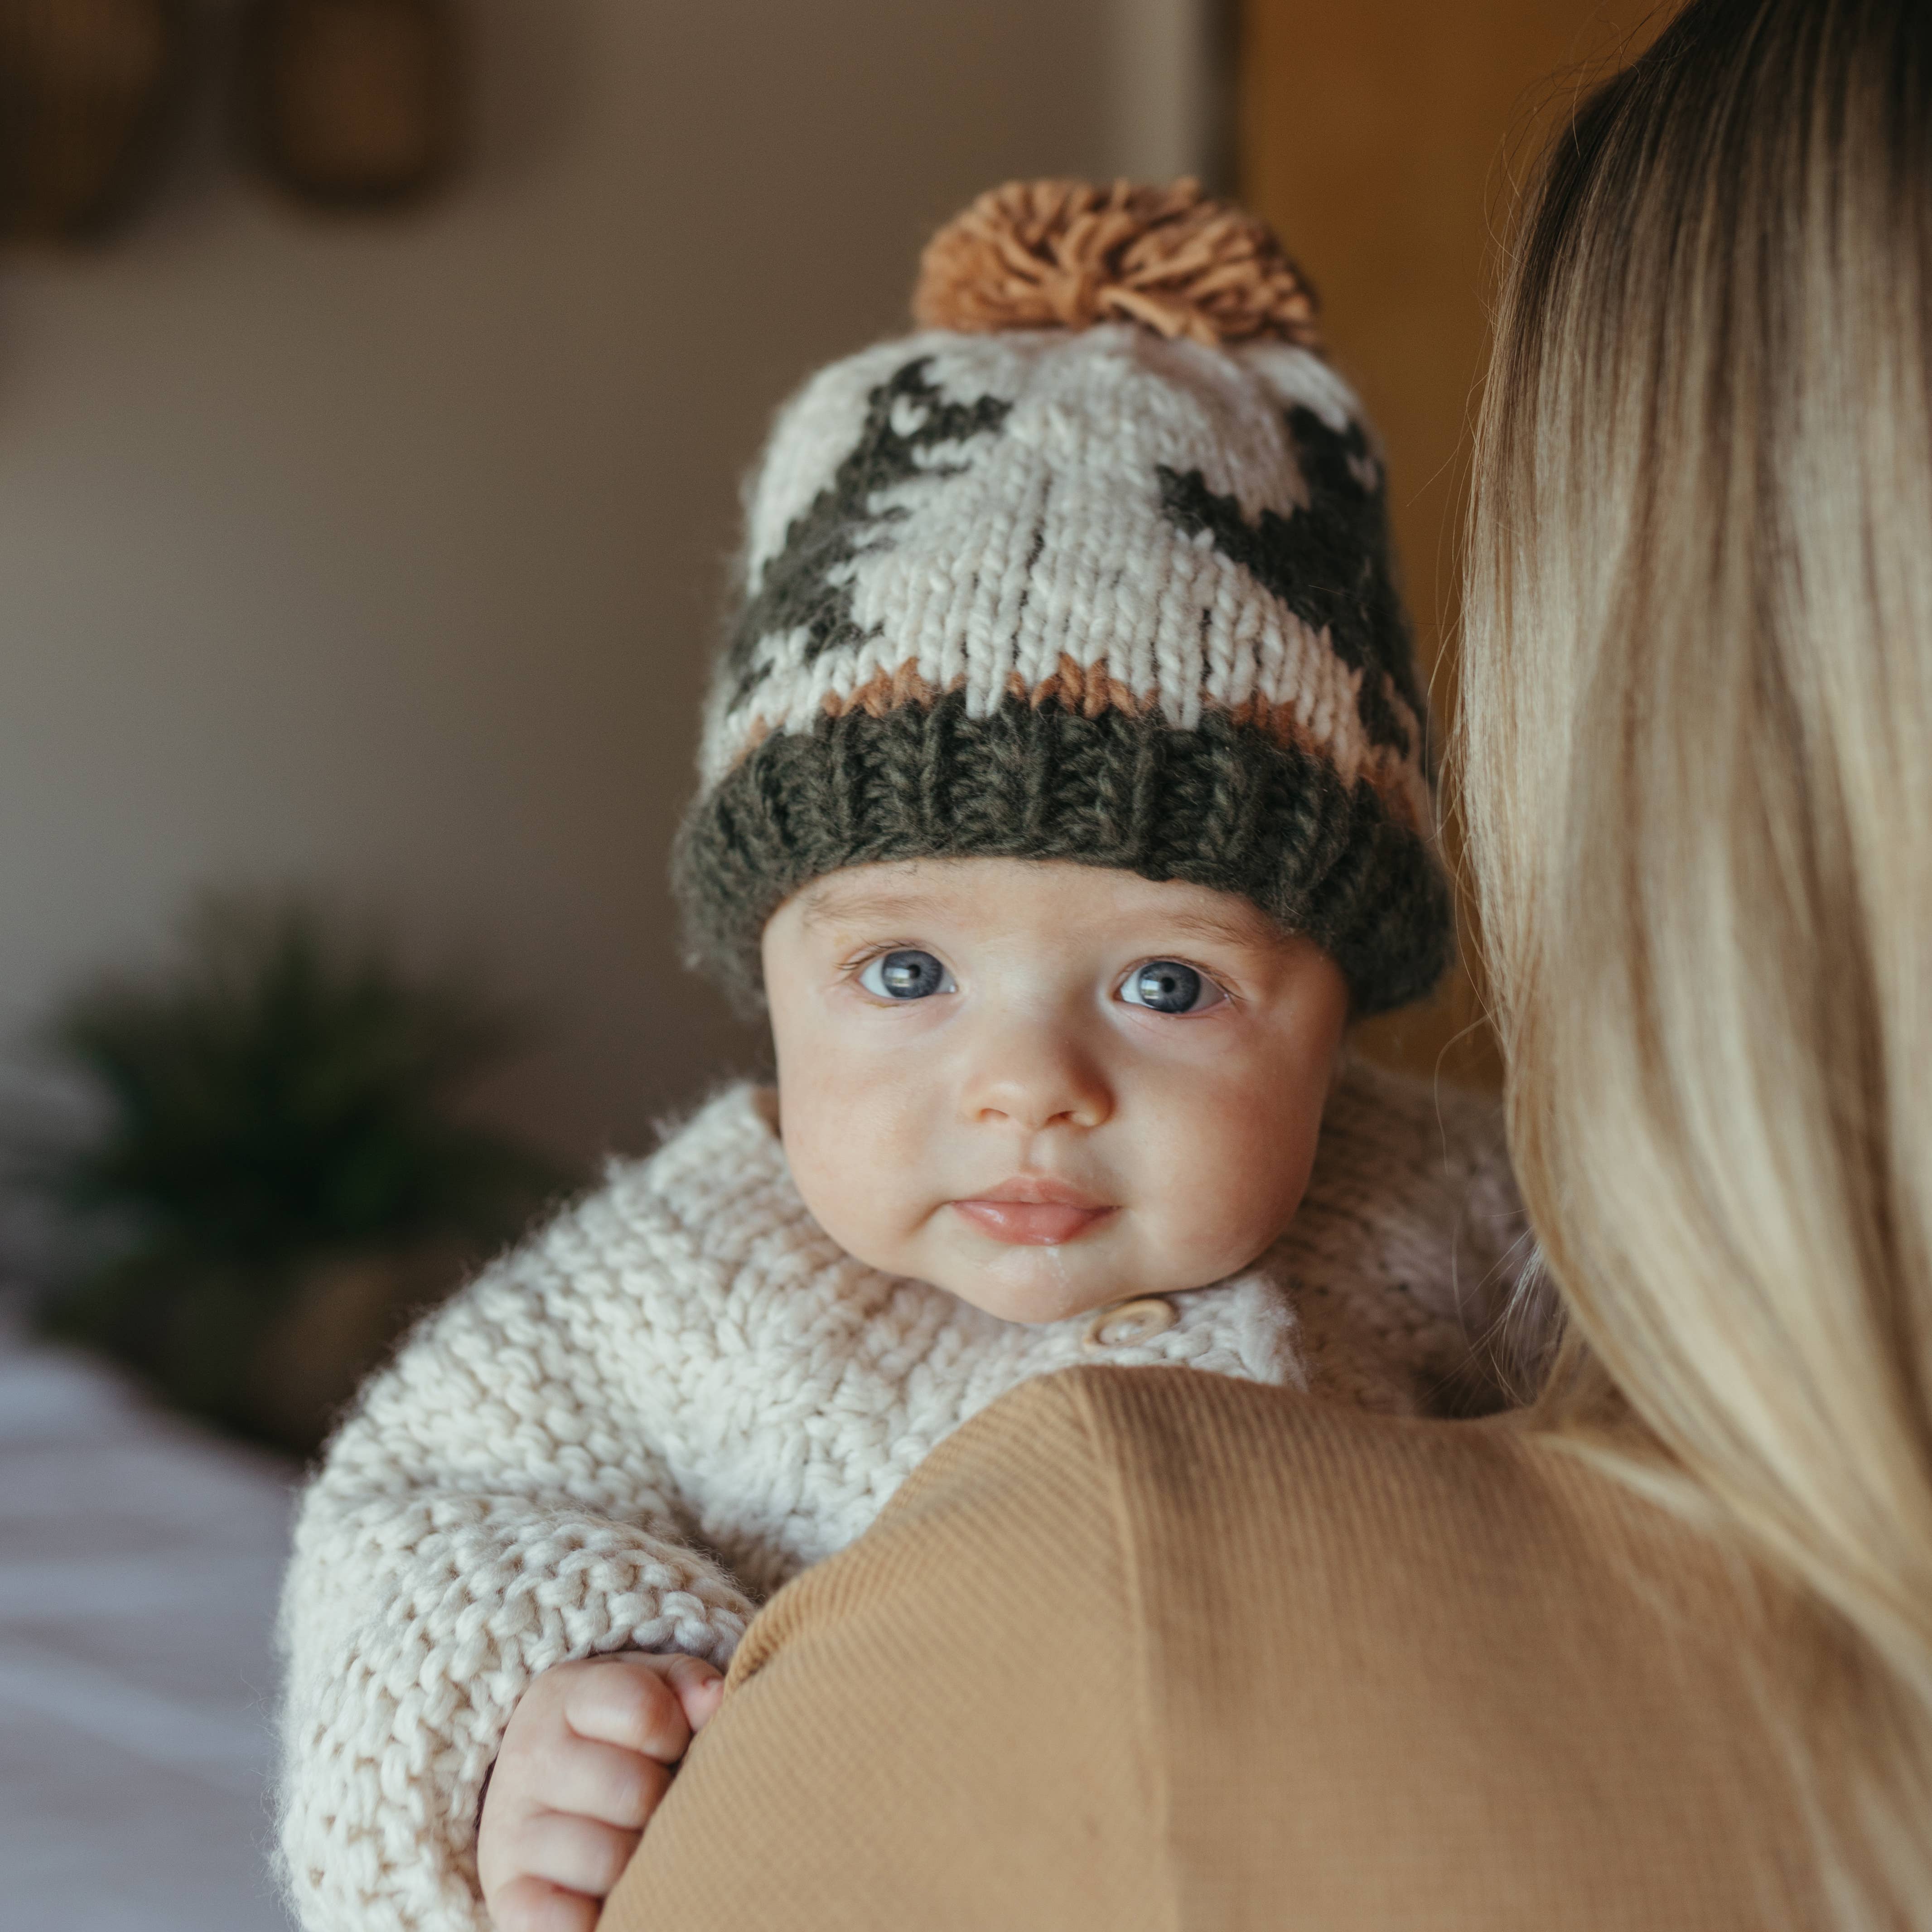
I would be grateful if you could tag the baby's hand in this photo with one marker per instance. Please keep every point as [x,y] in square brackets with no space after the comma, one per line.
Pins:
[585,1761]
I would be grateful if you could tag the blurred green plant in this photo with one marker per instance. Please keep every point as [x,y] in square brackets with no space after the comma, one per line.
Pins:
[280,1102]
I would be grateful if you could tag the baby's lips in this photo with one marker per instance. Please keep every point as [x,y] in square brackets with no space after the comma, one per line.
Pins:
[1033,1224]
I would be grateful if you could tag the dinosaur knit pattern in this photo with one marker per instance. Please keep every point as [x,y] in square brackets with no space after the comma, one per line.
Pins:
[628,1433]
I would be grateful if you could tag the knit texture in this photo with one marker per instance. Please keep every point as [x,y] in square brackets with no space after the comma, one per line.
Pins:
[1095,593]
[1043,254]
[681,1393]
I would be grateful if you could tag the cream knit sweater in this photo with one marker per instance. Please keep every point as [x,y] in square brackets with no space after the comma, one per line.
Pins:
[630,1431]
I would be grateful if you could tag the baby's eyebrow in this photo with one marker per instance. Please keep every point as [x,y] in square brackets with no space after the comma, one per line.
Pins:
[1259,931]
[821,909]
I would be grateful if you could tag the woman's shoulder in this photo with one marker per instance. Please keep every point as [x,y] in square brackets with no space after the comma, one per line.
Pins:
[1412,1673]
[1412,1630]
[1244,1511]
[1213,1461]
[1493,1534]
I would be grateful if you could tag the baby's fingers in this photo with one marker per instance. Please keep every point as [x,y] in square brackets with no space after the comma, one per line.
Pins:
[646,1704]
[607,1783]
[699,1687]
[578,1854]
[535,1905]
[627,1703]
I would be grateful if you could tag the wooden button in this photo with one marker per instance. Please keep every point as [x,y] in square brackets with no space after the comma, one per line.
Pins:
[1131,1323]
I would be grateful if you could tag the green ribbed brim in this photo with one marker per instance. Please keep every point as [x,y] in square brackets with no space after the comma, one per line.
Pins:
[1221,805]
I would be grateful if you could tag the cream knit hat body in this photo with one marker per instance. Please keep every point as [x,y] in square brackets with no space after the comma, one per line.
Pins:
[1119,594]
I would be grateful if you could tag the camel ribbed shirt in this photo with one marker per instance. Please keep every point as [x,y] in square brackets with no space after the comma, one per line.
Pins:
[1142,1651]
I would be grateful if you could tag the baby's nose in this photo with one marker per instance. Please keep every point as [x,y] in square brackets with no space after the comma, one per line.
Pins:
[1034,1079]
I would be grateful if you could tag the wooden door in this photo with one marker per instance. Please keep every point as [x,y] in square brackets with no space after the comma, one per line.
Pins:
[1380,137]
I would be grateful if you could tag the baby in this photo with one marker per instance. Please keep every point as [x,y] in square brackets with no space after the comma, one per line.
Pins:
[1064,794]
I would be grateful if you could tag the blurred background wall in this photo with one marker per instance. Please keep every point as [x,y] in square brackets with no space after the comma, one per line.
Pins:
[384,554]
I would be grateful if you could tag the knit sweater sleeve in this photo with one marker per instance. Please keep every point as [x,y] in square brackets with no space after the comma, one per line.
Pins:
[494,1506]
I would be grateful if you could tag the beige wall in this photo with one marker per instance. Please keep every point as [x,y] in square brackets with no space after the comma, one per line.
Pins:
[386,555]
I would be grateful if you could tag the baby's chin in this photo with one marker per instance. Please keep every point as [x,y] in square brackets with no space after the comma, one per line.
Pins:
[1042,1284]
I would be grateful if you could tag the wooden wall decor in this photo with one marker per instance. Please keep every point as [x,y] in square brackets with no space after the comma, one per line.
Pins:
[89,91]
[351,104]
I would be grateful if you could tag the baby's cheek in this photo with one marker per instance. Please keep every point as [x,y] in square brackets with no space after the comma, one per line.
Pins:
[820,1178]
[1235,1187]
[859,1201]
[1209,1238]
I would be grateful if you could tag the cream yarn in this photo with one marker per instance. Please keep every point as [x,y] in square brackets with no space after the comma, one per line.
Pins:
[680,1394]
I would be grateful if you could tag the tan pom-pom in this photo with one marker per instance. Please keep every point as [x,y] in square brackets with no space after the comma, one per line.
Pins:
[1066,254]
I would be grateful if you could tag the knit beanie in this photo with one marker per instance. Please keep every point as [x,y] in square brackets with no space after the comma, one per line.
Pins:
[1095,567]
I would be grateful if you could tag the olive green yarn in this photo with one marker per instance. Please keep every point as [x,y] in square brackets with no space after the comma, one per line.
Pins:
[1220,805]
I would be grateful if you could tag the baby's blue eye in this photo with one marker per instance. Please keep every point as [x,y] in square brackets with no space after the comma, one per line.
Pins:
[908,975]
[1167,986]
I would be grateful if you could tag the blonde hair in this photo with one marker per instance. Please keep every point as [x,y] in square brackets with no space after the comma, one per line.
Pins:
[1695,761]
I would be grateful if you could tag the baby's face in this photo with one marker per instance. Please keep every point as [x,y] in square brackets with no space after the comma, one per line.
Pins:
[1047,1087]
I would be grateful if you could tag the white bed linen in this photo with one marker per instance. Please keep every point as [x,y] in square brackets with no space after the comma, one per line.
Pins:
[138,1560]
